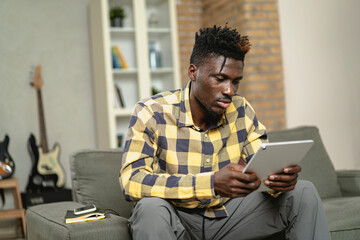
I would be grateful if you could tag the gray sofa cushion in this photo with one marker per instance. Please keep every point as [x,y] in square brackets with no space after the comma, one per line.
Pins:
[47,221]
[349,181]
[95,175]
[316,165]
[343,217]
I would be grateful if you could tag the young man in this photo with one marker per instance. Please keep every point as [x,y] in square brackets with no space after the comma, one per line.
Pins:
[185,151]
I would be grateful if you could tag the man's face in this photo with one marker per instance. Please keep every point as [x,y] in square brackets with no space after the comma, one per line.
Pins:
[212,88]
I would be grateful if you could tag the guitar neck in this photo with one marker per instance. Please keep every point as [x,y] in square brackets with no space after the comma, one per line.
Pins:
[43,139]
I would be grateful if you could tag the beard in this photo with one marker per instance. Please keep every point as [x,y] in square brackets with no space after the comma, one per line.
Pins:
[212,117]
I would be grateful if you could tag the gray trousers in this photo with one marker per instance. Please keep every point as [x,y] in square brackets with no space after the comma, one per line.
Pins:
[298,213]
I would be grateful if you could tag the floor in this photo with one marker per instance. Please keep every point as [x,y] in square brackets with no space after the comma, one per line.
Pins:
[10,237]
[10,230]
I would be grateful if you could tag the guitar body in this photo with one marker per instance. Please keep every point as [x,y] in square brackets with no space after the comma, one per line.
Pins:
[49,164]
[38,182]
[7,165]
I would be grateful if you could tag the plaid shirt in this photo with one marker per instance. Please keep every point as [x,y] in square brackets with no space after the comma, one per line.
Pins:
[167,156]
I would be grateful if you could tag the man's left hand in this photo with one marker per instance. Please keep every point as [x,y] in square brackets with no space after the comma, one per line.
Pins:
[285,181]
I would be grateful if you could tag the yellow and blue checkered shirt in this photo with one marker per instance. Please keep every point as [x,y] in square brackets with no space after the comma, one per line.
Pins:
[167,156]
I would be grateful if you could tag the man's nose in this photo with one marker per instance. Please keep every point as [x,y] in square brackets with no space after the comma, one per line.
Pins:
[228,89]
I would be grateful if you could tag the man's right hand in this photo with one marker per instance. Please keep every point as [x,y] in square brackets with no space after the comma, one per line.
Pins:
[231,182]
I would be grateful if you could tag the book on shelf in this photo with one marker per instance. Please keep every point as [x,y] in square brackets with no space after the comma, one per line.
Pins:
[118,58]
[119,101]
[115,59]
[122,58]
[70,217]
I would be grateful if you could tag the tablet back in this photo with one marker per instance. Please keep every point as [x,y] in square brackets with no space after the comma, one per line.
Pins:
[273,157]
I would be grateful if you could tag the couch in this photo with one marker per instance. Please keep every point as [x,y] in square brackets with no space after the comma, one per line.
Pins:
[339,190]
[95,173]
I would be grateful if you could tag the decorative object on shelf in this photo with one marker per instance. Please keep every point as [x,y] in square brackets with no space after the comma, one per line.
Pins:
[153,20]
[154,55]
[117,16]
[154,91]
[119,140]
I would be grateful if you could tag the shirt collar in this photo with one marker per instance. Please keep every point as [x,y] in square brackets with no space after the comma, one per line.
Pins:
[184,112]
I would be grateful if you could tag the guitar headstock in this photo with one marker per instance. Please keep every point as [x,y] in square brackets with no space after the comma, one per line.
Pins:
[37,79]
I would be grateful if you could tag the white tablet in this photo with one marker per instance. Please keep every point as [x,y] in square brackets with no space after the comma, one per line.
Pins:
[271,158]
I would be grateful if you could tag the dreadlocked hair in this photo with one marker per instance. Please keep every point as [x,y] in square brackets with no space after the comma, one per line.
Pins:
[219,41]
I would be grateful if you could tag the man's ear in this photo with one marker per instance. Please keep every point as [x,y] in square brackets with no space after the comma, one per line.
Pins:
[192,72]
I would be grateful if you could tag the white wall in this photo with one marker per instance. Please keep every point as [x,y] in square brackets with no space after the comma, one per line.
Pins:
[321,59]
[54,34]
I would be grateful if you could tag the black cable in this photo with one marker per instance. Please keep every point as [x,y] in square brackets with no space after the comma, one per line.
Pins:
[203,228]
[112,211]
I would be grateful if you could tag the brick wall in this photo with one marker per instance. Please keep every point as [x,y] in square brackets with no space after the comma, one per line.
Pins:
[189,22]
[258,19]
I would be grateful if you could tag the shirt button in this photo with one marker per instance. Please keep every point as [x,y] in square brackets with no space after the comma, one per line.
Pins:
[208,160]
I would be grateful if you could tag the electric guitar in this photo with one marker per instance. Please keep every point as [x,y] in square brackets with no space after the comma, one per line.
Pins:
[47,171]
[7,164]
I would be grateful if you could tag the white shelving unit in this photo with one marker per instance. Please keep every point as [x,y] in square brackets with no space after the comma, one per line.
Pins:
[146,21]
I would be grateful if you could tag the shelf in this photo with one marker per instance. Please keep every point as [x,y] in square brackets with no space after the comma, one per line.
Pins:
[158,30]
[121,71]
[164,70]
[123,112]
[122,30]
[155,2]
[139,80]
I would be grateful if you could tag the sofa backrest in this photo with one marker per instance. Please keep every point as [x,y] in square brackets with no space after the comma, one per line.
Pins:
[95,175]
[316,165]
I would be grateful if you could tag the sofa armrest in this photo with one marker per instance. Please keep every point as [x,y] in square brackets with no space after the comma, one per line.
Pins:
[349,181]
